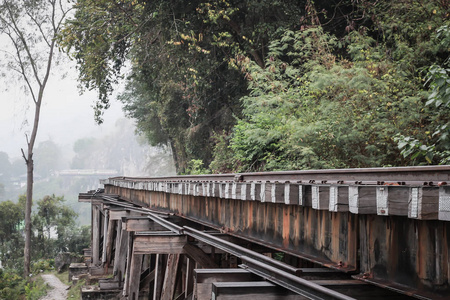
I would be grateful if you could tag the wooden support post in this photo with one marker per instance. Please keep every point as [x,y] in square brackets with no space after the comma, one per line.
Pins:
[105,234]
[159,277]
[189,280]
[123,252]
[117,257]
[109,243]
[95,235]
[129,251]
[170,277]
[135,276]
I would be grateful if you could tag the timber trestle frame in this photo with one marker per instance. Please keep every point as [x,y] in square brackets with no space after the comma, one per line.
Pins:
[320,234]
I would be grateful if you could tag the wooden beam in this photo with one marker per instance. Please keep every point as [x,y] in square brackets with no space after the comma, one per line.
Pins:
[199,256]
[129,251]
[159,244]
[159,277]
[117,256]
[143,224]
[109,242]
[121,255]
[362,199]
[95,235]
[189,283]
[424,203]
[263,290]
[135,276]
[118,214]
[320,197]
[170,277]
[145,282]
[338,198]
[203,278]
[105,234]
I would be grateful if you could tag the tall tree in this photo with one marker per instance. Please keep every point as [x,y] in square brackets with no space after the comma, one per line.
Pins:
[181,88]
[31,27]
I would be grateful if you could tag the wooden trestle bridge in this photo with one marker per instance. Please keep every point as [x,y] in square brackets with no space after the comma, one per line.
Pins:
[381,233]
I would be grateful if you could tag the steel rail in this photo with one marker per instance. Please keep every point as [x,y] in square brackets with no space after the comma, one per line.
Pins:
[291,282]
[150,214]
[399,174]
[237,250]
[269,268]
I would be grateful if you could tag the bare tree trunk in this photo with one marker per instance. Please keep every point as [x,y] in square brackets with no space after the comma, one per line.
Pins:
[29,204]
[30,180]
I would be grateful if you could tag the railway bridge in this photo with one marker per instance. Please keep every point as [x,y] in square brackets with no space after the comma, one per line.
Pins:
[320,234]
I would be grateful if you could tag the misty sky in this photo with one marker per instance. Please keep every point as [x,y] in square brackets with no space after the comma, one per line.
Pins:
[65,115]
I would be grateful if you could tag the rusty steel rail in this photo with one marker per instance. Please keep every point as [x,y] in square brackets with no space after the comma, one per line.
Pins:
[303,287]
[269,268]
[422,174]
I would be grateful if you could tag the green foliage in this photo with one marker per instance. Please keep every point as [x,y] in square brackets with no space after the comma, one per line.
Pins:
[274,85]
[53,222]
[435,147]
[36,289]
[42,265]
[195,167]
[224,160]
[322,112]
[180,88]
[11,226]
[11,285]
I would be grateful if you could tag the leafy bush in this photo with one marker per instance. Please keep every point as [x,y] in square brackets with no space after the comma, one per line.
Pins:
[42,265]
[11,285]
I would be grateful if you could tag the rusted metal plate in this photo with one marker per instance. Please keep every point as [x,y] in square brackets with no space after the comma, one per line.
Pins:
[324,237]
[402,251]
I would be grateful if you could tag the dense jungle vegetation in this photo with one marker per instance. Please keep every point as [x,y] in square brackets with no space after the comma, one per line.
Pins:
[273,85]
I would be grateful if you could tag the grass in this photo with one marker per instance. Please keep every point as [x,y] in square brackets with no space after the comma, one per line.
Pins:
[75,290]
[36,288]
[64,277]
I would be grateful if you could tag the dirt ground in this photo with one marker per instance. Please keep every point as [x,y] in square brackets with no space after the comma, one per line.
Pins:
[59,289]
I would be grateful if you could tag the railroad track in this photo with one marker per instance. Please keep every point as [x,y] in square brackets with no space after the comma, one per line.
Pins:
[337,220]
